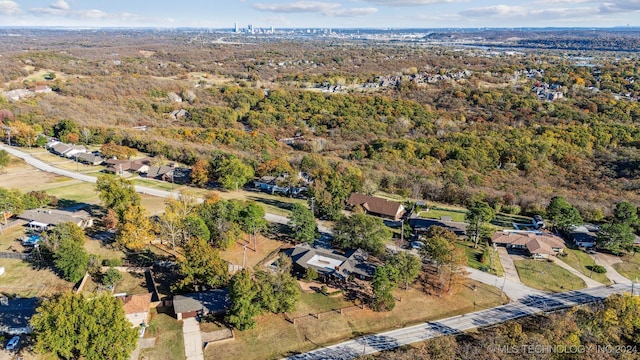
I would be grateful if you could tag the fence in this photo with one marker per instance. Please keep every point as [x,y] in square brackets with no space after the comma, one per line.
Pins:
[11,224]
[323,314]
[14,255]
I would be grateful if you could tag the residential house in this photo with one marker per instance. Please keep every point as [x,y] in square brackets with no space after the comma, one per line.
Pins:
[536,243]
[585,235]
[420,226]
[377,206]
[90,158]
[116,166]
[212,302]
[284,184]
[76,150]
[136,308]
[59,148]
[331,264]
[160,172]
[15,315]
[41,219]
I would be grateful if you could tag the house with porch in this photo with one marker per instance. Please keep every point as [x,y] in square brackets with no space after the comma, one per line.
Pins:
[41,219]
[539,245]
[136,308]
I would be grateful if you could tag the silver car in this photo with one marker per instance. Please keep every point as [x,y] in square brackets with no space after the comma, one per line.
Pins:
[13,343]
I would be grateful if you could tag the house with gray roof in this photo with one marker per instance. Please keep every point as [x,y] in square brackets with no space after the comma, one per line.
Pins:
[89,158]
[331,264]
[201,303]
[41,219]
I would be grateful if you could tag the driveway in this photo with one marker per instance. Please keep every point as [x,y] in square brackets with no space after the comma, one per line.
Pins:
[607,261]
[192,339]
[587,280]
[514,290]
[508,266]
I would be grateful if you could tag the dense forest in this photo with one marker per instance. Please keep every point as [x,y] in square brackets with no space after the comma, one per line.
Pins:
[445,124]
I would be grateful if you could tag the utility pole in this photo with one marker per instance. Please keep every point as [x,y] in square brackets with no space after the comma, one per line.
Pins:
[244,255]
[312,203]
[402,231]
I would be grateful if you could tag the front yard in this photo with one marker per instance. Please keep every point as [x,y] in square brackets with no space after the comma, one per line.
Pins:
[547,276]
[169,339]
[629,267]
[582,262]
[474,257]
[275,337]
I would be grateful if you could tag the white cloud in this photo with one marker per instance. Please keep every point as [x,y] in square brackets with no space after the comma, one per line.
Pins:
[60,5]
[9,7]
[324,8]
[508,11]
[409,2]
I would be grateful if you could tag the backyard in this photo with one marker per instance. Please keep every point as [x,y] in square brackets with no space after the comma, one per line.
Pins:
[547,276]
[474,255]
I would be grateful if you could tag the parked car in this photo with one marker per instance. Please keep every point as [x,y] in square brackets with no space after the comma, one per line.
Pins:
[417,245]
[13,343]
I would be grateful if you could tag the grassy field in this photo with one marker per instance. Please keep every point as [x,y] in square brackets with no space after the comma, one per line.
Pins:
[96,247]
[582,262]
[132,284]
[169,339]
[547,276]
[312,303]
[474,256]
[275,337]
[22,279]
[629,267]
[76,192]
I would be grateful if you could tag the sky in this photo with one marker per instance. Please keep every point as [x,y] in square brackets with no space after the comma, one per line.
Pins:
[321,14]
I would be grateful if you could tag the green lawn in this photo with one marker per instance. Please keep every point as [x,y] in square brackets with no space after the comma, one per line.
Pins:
[312,303]
[474,256]
[505,221]
[156,184]
[547,276]
[582,262]
[80,192]
[169,338]
[438,212]
[629,267]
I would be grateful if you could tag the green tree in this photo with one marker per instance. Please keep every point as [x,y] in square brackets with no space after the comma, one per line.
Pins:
[252,220]
[625,213]
[477,215]
[616,237]
[303,224]
[223,221]
[65,232]
[64,128]
[117,193]
[243,293]
[72,260]
[407,265]
[202,266]
[563,215]
[111,277]
[194,226]
[361,231]
[73,327]
[135,231]
[385,280]
[233,173]
[278,291]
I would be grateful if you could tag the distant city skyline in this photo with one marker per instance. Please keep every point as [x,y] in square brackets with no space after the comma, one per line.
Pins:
[321,14]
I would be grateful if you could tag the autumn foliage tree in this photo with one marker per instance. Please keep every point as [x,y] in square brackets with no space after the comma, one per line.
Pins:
[200,172]
[135,231]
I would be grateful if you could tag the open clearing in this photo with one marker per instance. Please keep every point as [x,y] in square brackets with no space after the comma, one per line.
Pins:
[547,276]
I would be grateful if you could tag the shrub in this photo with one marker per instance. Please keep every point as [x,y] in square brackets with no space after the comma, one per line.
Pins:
[111,277]
[598,269]
[112,262]
[310,274]
[511,209]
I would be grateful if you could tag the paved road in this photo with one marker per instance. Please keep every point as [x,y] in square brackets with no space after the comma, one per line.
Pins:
[192,339]
[526,306]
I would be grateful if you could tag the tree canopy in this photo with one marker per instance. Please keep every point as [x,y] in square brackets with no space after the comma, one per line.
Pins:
[233,173]
[361,231]
[71,326]
[477,215]
[564,216]
[117,193]
[202,266]
[243,293]
[303,224]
